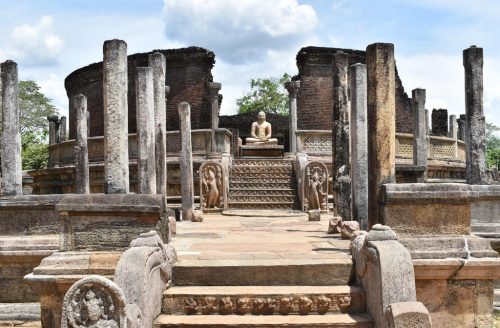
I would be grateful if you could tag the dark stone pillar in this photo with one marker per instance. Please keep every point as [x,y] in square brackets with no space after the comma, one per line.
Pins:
[440,122]
[81,149]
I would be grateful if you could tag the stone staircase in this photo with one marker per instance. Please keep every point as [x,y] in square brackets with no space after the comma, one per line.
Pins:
[208,298]
[262,184]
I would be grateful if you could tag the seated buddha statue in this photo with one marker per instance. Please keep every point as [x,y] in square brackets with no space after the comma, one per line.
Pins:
[261,132]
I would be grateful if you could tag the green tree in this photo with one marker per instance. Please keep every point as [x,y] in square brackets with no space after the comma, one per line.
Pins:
[34,107]
[267,95]
[492,146]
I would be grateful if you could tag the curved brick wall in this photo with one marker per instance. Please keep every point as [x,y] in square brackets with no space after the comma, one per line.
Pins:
[188,71]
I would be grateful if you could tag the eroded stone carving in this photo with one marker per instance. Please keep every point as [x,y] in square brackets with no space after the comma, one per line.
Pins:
[269,306]
[225,305]
[305,305]
[243,306]
[210,305]
[94,302]
[323,304]
[190,306]
[212,186]
[286,305]
[258,306]
[315,186]
[344,303]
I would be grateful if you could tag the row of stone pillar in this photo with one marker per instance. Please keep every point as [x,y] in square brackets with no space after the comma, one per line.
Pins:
[361,165]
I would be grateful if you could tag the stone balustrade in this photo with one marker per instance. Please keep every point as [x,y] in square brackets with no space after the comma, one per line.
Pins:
[63,154]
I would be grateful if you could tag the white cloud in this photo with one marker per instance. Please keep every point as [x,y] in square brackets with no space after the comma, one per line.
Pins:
[239,31]
[35,45]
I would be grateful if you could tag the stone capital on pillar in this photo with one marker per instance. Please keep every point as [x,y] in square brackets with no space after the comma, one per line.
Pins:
[213,90]
[293,88]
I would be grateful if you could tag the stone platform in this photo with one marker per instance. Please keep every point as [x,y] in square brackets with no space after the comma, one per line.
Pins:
[262,151]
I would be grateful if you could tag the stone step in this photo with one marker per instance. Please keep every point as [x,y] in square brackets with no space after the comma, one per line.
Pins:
[262,162]
[263,175]
[245,169]
[254,184]
[271,272]
[262,205]
[265,180]
[264,197]
[262,191]
[294,321]
[259,300]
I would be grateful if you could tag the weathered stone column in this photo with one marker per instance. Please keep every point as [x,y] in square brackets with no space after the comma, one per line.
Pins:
[81,148]
[158,64]
[52,129]
[186,161]
[340,145]
[213,95]
[453,126]
[461,127]
[359,147]
[419,132]
[115,88]
[475,123]
[427,124]
[292,88]
[439,122]
[12,180]
[381,123]
[145,113]
[62,129]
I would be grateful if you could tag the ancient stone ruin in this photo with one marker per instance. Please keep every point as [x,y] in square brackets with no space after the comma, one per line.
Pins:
[355,210]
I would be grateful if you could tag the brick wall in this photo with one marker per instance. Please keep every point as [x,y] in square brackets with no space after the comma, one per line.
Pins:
[439,122]
[188,71]
[315,96]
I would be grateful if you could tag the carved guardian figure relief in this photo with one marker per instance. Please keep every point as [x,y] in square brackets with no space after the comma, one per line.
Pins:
[315,187]
[212,186]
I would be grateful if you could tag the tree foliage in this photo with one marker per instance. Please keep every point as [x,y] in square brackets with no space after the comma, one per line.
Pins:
[34,107]
[267,95]
[492,146]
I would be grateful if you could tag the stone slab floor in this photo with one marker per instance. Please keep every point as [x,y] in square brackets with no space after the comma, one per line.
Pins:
[239,238]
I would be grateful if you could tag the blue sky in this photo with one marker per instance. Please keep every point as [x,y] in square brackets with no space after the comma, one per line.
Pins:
[259,38]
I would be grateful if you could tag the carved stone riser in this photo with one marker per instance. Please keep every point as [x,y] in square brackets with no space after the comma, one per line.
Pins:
[258,162]
[255,205]
[267,192]
[261,198]
[262,185]
[268,305]
[263,175]
[262,169]
[261,180]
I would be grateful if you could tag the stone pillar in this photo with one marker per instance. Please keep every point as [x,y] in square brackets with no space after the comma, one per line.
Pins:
[293,89]
[427,125]
[359,147]
[62,129]
[145,113]
[475,123]
[81,148]
[340,145]
[461,127]
[157,62]
[439,122]
[186,160]
[115,88]
[452,123]
[381,123]
[12,181]
[419,132]
[213,95]
[52,129]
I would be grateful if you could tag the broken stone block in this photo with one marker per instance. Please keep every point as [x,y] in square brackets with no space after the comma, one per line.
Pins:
[408,315]
[334,225]
[172,225]
[314,215]
[347,229]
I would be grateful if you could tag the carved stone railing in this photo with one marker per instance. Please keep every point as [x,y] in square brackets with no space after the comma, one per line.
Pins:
[438,148]
[314,142]
[63,154]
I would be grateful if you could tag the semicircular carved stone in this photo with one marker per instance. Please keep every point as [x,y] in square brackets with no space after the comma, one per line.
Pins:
[213,193]
[315,186]
[94,302]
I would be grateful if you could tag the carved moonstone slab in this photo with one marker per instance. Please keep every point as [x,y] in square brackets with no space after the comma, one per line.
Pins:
[94,302]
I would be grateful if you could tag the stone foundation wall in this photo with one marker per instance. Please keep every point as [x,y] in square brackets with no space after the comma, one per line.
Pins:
[315,96]
[188,71]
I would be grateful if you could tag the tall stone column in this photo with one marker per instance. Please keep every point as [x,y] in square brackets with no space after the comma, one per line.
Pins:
[475,123]
[53,121]
[292,88]
[340,145]
[115,88]
[186,161]
[81,148]
[427,124]
[62,129]
[145,114]
[359,146]
[453,126]
[213,95]
[12,179]
[419,131]
[381,123]
[158,64]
